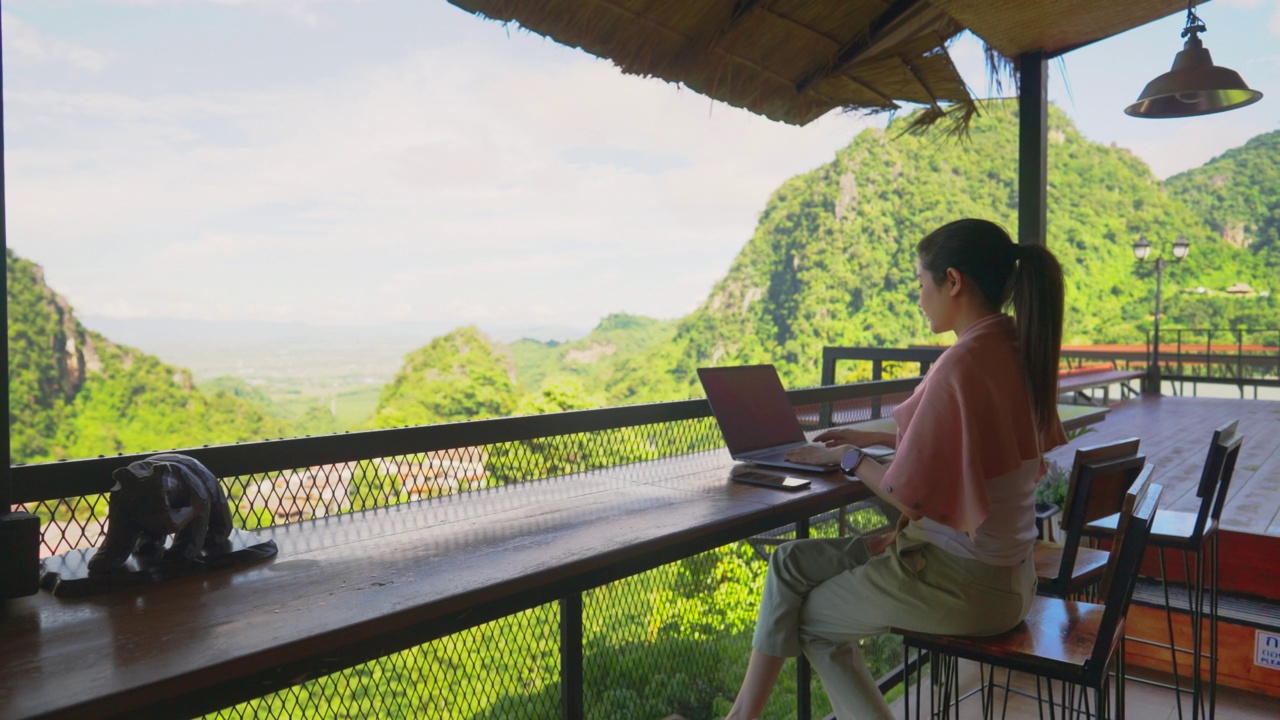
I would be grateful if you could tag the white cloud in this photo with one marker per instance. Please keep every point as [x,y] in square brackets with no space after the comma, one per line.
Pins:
[464,177]
[423,187]
[24,44]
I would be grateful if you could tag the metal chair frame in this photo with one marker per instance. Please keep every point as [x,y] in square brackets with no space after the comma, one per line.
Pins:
[1093,672]
[1202,543]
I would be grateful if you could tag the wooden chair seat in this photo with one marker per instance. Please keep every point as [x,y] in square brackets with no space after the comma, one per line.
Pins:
[1172,529]
[1089,566]
[1055,640]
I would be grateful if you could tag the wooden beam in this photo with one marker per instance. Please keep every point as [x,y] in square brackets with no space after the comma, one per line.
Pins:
[860,45]
[1033,147]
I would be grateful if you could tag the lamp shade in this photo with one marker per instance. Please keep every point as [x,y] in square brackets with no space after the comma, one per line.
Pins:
[1142,248]
[1195,86]
[1180,248]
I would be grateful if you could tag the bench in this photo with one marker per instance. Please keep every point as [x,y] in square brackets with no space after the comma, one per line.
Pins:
[1076,382]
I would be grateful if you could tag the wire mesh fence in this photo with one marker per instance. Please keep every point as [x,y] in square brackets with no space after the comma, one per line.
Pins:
[674,639]
[276,497]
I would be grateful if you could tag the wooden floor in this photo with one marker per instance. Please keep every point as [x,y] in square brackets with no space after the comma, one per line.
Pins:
[1175,434]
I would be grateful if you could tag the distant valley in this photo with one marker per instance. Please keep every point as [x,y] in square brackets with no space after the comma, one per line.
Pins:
[831,263]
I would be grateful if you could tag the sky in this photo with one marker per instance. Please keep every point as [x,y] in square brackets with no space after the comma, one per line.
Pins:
[366,162]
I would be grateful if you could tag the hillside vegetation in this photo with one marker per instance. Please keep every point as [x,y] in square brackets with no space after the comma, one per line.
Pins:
[831,262]
[74,393]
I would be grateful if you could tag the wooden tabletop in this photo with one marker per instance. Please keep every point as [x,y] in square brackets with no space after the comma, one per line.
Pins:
[347,589]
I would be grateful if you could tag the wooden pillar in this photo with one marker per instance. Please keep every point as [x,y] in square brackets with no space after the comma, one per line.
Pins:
[19,532]
[1033,147]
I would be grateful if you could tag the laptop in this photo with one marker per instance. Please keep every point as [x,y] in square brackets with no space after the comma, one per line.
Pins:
[755,417]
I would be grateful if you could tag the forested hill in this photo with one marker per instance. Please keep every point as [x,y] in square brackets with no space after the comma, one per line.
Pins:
[73,393]
[1238,196]
[464,375]
[832,260]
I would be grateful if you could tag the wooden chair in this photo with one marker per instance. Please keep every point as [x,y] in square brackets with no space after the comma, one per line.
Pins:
[1196,535]
[1075,643]
[1100,475]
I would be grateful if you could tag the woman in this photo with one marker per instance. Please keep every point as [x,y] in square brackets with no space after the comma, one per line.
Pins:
[970,447]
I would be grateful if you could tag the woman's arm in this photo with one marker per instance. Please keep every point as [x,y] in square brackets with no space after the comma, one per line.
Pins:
[860,438]
[869,471]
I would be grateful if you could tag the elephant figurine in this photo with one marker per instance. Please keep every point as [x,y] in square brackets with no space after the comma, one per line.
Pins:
[163,495]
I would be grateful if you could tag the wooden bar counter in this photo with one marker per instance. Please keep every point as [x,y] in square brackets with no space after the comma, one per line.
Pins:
[347,589]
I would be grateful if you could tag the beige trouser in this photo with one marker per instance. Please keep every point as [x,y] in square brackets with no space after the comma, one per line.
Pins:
[823,595]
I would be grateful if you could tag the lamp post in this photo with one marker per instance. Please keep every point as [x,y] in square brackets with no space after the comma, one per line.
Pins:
[1141,250]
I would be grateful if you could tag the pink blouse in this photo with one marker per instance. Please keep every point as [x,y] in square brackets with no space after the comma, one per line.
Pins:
[969,421]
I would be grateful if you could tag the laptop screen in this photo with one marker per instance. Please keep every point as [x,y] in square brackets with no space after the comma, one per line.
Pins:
[751,407]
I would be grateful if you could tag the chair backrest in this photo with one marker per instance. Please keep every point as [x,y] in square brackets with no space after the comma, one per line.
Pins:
[1099,501]
[1219,466]
[1100,477]
[1130,543]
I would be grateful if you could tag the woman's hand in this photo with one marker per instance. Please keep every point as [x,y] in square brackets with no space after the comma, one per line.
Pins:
[846,436]
[880,543]
[816,455]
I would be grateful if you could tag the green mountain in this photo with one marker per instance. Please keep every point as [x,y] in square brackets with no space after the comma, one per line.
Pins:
[459,376]
[1237,194]
[593,358]
[832,260]
[1237,197]
[74,393]
[463,375]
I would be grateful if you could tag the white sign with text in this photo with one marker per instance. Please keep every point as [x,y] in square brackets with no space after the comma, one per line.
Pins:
[1267,650]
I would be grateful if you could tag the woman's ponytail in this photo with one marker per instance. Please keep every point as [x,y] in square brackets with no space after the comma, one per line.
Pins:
[1037,299]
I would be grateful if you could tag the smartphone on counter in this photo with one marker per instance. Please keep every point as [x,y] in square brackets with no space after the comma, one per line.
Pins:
[781,482]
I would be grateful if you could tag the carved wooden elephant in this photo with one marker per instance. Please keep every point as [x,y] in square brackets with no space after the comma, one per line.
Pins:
[163,495]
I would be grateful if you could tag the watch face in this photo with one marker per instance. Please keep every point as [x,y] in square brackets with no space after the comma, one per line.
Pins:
[849,461]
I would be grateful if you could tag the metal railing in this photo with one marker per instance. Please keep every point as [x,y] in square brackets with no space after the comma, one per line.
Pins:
[1241,357]
[671,639]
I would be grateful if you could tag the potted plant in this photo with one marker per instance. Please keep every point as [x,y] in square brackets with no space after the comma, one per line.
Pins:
[1051,493]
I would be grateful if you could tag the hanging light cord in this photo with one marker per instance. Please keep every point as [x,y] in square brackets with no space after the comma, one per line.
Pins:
[1194,23]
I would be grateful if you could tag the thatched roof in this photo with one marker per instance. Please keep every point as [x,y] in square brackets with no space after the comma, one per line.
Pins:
[794,60]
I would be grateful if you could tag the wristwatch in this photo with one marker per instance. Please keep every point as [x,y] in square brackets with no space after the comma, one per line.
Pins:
[849,461]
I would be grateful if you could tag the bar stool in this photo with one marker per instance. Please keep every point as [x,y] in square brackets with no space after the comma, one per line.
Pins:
[1075,643]
[1196,535]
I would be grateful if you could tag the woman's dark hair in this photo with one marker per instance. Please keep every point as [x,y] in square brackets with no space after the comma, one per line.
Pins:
[1027,276]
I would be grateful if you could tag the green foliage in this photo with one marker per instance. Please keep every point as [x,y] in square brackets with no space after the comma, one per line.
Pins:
[593,358]
[39,385]
[1237,196]
[561,455]
[1052,488]
[458,376]
[74,393]
[832,260]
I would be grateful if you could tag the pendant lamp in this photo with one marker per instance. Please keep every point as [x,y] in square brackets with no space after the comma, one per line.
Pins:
[1194,86]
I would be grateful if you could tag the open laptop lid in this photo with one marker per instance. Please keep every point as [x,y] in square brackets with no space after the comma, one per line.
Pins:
[751,408]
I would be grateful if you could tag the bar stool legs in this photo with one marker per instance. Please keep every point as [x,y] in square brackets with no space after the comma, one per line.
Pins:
[1202,586]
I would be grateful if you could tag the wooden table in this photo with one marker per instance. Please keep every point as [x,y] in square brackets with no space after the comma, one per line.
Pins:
[347,589]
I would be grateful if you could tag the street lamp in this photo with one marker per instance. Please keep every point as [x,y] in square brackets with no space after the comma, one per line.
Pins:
[1141,250]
